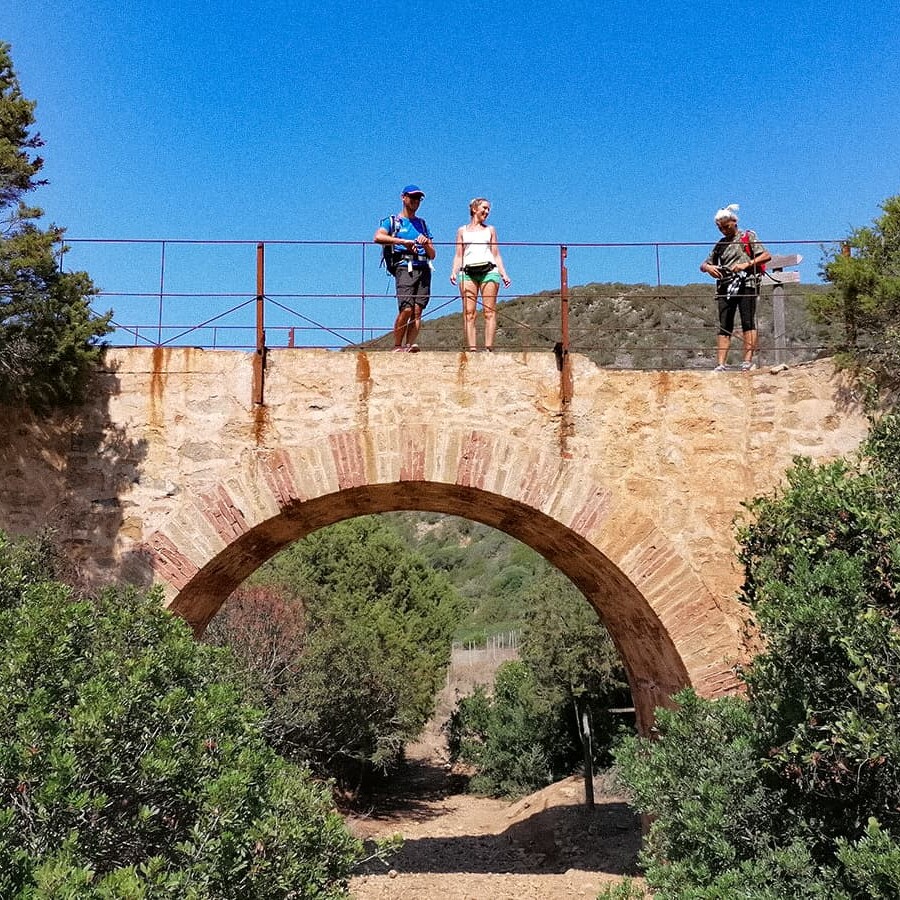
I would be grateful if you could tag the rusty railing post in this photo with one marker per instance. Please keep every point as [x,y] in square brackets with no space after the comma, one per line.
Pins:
[562,349]
[162,289]
[259,360]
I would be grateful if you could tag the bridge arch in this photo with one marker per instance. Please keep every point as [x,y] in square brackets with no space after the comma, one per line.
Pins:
[668,627]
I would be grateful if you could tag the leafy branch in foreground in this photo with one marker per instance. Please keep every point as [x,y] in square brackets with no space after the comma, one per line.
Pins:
[131,764]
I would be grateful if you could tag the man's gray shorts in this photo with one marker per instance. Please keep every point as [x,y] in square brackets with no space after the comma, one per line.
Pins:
[413,288]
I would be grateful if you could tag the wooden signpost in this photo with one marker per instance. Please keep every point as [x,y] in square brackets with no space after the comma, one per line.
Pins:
[775,268]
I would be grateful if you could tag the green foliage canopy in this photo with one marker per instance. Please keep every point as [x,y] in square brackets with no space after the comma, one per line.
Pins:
[795,791]
[372,653]
[48,333]
[866,299]
[130,765]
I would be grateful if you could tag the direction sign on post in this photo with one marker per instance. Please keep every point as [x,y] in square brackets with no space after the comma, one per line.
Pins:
[782,262]
[775,268]
[786,277]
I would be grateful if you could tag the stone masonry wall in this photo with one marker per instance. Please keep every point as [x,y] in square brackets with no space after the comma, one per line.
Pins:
[172,473]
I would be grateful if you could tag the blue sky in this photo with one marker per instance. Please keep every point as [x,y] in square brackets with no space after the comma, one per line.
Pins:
[582,122]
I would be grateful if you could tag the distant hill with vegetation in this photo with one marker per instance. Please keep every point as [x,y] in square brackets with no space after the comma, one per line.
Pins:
[492,571]
[637,326]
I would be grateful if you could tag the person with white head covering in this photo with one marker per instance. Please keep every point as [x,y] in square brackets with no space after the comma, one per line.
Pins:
[736,262]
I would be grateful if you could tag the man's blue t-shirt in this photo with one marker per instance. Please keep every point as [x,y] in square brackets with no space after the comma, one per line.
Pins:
[408,230]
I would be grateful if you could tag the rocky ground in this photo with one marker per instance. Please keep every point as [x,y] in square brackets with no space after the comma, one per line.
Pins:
[547,846]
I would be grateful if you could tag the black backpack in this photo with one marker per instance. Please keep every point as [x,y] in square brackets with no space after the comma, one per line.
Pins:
[390,258]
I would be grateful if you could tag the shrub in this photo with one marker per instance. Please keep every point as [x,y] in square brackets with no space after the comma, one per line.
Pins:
[795,790]
[507,737]
[130,764]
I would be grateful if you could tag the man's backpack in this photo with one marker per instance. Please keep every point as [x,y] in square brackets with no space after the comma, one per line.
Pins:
[390,258]
[745,243]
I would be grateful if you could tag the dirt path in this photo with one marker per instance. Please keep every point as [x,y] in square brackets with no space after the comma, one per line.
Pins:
[547,846]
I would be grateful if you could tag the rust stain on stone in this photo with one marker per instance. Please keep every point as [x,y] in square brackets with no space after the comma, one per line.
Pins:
[663,386]
[364,380]
[260,423]
[157,384]
[363,369]
[566,422]
[461,369]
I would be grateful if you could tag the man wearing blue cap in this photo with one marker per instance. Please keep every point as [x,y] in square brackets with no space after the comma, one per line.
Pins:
[408,256]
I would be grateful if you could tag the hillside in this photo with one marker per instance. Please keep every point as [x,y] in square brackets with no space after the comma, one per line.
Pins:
[633,325]
[491,570]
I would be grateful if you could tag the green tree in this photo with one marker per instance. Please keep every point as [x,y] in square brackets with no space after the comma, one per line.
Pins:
[365,669]
[574,660]
[130,765]
[528,731]
[866,299]
[795,790]
[823,576]
[508,736]
[48,332]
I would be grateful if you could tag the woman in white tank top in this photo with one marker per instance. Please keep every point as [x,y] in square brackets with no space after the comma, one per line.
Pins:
[478,267]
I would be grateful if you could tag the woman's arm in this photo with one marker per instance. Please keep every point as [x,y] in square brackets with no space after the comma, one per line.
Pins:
[457,257]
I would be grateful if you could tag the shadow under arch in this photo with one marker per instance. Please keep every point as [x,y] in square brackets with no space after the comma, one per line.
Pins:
[652,660]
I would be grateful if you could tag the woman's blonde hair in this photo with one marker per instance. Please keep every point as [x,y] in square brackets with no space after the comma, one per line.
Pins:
[475,202]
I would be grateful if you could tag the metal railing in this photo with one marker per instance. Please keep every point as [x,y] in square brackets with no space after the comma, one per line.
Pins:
[255,295]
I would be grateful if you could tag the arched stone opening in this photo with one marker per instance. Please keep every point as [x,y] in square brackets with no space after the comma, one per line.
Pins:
[652,660]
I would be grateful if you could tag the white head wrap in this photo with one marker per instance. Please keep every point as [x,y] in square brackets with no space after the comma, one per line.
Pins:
[728,212]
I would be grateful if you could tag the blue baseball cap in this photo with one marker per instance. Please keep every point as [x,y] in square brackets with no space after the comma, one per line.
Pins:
[413,189]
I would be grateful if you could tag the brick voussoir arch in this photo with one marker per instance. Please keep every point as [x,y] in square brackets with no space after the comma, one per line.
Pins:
[657,609]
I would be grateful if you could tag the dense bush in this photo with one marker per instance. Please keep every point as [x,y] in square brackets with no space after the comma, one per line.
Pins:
[528,731]
[509,737]
[365,653]
[795,790]
[130,765]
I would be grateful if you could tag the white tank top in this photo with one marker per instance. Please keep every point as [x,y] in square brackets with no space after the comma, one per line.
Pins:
[477,246]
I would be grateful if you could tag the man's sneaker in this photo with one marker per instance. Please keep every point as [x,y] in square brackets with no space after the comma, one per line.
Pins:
[413,348]
[400,349]
[747,366]
[720,368]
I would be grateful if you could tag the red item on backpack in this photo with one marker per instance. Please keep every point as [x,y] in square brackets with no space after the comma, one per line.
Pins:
[745,243]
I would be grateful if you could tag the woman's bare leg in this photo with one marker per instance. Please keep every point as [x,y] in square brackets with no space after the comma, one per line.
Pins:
[489,291]
[469,291]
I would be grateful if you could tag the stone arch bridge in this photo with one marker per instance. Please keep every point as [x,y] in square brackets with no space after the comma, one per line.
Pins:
[629,486]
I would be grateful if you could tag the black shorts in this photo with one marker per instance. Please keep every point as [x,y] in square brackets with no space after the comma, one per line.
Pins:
[413,288]
[744,301]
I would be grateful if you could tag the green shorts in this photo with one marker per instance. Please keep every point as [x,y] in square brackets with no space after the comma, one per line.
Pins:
[492,277]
